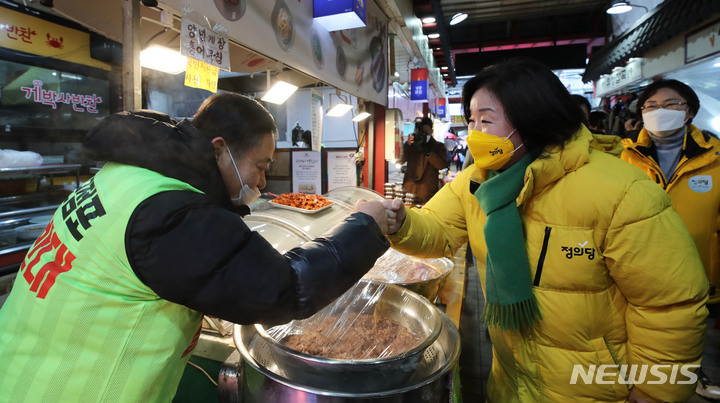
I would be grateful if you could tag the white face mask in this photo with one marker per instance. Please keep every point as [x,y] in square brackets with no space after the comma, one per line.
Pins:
[664,122]
[247,195]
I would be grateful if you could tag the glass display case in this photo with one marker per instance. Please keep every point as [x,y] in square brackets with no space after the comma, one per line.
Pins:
[24,214]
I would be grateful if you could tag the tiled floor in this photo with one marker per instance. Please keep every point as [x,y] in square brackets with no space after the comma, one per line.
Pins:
[476,356]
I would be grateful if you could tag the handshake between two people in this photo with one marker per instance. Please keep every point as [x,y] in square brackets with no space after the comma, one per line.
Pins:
[388,214]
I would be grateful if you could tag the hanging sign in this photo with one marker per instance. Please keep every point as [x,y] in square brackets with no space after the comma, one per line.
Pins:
[441,107]
[418,85]
[316,117]
[335,15]
[201,75]
[26,33]
[703,42]
[204,44]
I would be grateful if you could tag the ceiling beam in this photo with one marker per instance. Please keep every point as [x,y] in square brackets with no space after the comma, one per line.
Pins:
[444,40]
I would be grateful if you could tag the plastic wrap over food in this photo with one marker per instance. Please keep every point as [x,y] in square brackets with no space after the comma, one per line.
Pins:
[19,159]
[365,323]
[395,267]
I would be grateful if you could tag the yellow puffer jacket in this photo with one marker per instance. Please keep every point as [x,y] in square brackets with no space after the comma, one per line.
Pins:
[694,189]
[616,276]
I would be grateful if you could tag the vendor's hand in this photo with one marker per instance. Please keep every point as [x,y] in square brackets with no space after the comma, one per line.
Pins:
[411,139]
[636,398]
[395,214]
[374,209]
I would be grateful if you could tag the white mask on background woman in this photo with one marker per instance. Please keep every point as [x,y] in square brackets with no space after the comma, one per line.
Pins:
[664,122]
[247,195]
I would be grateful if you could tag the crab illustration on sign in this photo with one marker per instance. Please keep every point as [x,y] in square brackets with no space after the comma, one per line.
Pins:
[56,43]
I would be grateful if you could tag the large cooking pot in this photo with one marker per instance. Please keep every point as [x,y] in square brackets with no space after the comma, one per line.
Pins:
[253,377]
[357,341]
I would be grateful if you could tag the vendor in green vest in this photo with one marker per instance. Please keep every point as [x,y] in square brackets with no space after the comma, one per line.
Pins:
[107,305]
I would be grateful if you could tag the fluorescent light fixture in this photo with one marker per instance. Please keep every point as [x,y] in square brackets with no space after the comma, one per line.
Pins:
[619,7]
[428,20]
[458,18]
[164,59]
[361,116]
[443,68]
[339,110]
[279,92]
[434,36]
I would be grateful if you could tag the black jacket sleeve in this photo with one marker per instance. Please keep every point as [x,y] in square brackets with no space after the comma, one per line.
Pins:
[192,252]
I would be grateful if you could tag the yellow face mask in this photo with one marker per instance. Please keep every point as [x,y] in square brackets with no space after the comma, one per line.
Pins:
[490,152]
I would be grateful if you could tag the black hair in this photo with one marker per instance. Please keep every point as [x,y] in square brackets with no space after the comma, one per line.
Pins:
[426,121]
[536,102]
[241,121]
[580,101]
[681,88]
[307,138]
[597,118]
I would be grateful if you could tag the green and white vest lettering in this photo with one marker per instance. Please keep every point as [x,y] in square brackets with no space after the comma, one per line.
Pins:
[79,326]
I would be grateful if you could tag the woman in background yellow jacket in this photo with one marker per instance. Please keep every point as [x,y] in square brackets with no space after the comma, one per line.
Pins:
[686,163]
[594,289]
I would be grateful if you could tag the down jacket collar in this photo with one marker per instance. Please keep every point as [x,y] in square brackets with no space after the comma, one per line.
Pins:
[154,141]
[556,162]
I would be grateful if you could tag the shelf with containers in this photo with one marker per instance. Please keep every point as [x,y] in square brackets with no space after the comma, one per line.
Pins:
[30,197]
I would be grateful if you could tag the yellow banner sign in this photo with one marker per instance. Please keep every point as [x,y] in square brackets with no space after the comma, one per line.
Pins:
[33,35]
[201,75]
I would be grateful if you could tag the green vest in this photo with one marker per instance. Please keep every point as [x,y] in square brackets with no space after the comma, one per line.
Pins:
[79,326]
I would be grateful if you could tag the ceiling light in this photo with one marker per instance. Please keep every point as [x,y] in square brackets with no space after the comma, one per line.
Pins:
[434,36]
[340,108]
[279,92]
[428,20]
[443,68]
[361,116]
[618,7]
[164,59]
[458,18]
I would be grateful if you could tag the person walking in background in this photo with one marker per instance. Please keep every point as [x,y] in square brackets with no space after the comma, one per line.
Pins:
[686,163]
[107,305]
[583,262]
[584,105]
[597,121]
[425,157]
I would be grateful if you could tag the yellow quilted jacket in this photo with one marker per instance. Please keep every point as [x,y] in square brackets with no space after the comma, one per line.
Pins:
[694,189]
[616,275]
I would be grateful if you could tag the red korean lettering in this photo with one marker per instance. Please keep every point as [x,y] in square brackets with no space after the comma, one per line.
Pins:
[50,270]
[42,245]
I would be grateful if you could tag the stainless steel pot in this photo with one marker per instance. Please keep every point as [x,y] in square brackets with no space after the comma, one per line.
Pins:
[253,378]
[394,367]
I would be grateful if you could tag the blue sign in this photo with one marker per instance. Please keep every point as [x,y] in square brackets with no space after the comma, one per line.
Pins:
[336,15]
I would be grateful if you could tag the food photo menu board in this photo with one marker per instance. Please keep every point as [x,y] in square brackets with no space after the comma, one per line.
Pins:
[353,60]
[306,172]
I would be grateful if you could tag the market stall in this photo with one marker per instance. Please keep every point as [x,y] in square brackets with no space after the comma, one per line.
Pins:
[254,367]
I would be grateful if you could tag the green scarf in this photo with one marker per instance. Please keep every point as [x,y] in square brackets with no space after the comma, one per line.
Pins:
[510,302]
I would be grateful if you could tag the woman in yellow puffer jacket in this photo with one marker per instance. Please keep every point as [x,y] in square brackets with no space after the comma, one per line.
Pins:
[686,163]
[594,289]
